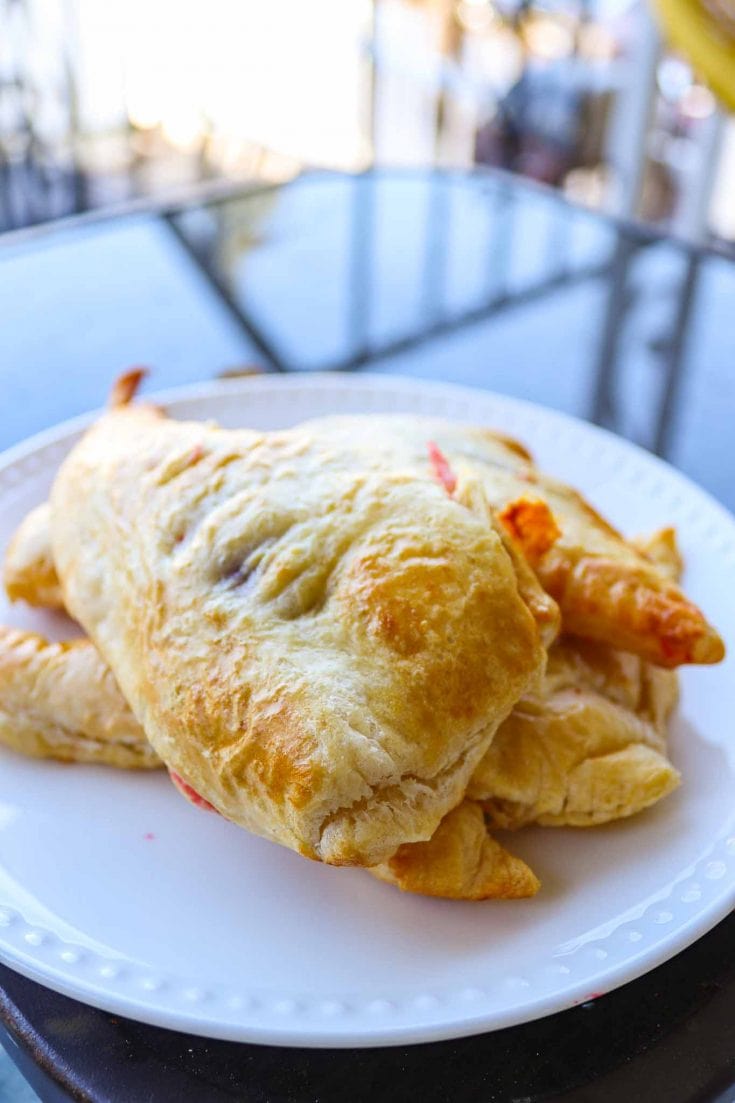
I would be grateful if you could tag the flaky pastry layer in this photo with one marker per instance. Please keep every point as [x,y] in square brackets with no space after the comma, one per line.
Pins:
[322,652]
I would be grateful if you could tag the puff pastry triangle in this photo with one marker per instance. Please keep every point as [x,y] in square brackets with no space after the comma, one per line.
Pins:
[323,652]
[588,747]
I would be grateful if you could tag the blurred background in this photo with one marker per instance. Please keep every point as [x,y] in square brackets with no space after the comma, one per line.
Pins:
[116,102]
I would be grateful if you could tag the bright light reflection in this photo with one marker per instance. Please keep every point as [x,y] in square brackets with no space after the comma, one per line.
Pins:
[284,74]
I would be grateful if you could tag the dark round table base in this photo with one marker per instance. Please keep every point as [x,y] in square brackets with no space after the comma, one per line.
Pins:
[666,1037]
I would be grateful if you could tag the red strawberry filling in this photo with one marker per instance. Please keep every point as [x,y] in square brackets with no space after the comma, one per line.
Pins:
[191,794]
[442,468]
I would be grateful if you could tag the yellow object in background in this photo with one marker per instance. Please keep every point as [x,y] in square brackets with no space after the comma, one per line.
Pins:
[704,32]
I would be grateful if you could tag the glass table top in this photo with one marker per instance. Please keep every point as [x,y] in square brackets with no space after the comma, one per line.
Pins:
[476,278]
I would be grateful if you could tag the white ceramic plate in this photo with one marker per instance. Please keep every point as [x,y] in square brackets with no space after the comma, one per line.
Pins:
[116,891]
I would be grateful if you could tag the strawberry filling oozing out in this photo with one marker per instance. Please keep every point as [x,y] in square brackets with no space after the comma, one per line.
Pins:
[191,794]
[442,468]
[530,522]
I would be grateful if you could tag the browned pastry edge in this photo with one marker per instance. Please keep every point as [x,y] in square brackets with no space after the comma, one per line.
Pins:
[461,861]
[653,619]
[60,700]
[29,572]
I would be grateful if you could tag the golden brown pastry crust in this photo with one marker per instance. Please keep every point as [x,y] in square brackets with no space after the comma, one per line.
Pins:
[662,548]
[620,593]
[126,386]
[59,683]
[60,700]
[587,748]
[630,607]
[461,861]
[322,652]
[29,572]
[606,589]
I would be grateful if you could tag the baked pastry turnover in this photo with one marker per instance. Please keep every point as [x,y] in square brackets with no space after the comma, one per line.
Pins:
[322,651]
[588,747]
[343,637]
